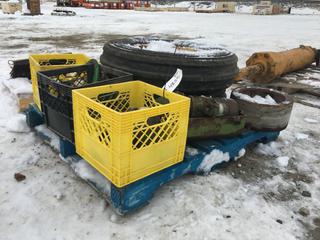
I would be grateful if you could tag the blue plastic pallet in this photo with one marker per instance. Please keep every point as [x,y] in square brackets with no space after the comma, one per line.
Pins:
[135,195]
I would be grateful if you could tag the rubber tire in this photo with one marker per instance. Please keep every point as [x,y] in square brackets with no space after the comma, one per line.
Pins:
[207,76]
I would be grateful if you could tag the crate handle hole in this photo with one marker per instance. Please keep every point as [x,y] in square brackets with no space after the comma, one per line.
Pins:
[94,114]
[157,119]
[160,99]
[108,96]
[58,61]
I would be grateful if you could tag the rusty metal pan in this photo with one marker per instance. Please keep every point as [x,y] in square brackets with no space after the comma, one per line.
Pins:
[266,117]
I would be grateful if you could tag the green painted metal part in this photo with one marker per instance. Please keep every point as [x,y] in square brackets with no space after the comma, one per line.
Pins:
[202,106]
[96,75]
[216,127]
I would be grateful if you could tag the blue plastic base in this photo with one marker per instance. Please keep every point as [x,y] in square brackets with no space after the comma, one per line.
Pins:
[139,193]
[66,148]
[33,116]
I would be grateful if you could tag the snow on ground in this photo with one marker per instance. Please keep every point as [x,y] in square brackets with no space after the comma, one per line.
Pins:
[214,158]
[240,8]
[18,85]
[192,151]
[85,171]
[261,196]
[269,149]
[283,161]
[17,124]
[187,4]
[310,120]
[311,83]
[53,138]
[300,136]
[305,11]
[244,9]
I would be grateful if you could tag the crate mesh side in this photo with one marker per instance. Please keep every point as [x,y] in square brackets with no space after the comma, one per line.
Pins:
[145,133]
[165,128]
[90,123]
[155,129]
[121,143]
[149,101]
[121,103]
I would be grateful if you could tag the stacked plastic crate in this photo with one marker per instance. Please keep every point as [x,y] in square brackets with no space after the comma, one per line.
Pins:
[125,129]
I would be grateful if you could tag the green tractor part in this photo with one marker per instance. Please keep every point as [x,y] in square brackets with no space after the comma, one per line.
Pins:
[96,70]
[206,127]
[202,106]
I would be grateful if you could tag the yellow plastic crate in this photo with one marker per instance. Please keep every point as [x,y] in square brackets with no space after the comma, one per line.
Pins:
[130,130]
[43,62]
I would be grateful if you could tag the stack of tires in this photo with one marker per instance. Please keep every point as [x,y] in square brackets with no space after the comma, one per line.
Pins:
[206,70]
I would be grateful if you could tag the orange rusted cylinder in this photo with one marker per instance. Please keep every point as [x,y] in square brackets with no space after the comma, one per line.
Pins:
[249,72]
[263,67]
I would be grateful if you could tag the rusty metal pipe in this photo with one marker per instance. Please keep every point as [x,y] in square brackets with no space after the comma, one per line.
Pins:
[202,106]
[249,72]
[263,67]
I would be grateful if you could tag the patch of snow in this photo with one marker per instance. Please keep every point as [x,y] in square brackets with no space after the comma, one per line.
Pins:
[63,158]
[283,161]
[310,120]
[18,85]
[312,83]
[17,124]
[114,218]
[87,172]
[53,139]
[186,4]
[241,153]
[30,158]
[215,157]
[191,151]
[244,9]
[195,47]
[304,11]
[256,99]
[269,149]
[300,136]
[25,8]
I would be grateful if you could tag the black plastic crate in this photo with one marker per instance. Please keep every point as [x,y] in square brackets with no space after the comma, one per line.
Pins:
[55,88]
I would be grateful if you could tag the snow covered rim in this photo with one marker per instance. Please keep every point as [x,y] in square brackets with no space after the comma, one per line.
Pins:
[184,48]
[262,96]
[265,109]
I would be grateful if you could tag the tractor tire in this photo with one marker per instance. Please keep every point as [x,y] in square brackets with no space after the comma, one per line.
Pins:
[207,75]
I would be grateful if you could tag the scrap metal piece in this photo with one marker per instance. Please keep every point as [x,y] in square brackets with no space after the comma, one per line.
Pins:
[264,67]
[207,127]
[265,117]
[202,106]
[20,68]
